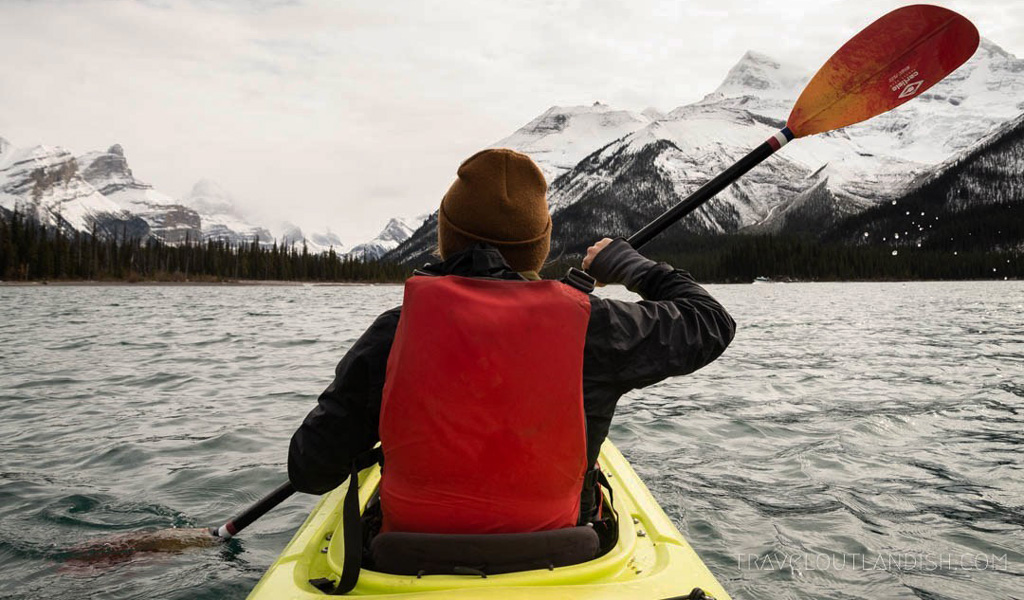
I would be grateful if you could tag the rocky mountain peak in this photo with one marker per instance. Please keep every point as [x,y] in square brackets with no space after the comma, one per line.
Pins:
[1005,71]
[562,135]
[45,182]
[552,120]
[989,48]
[758,74]
[108,171]
[558,118]
[395,232]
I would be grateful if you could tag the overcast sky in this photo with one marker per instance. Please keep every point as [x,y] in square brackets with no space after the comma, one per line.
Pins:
[343,113]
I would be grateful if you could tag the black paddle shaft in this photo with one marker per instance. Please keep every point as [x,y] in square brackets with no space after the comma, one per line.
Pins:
[702,195]
[240,522]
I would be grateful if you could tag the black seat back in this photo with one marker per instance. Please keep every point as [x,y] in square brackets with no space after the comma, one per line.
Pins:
[490,554]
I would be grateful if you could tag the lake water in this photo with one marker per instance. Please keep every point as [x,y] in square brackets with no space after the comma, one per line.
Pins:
[859,440]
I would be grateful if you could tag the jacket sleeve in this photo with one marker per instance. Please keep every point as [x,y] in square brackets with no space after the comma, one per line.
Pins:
[676,329]
[344,421]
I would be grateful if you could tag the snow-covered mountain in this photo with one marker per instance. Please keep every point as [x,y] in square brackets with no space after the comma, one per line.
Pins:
[764,79]
[45,182]
[991,171]
[850,169]
[97,191]
[396,231]
[630,167]
[324,241]
[914,141]
[562,136]
[167,220]
[222,218]
[419,248]
[291,235]
[985,92]
[972,201]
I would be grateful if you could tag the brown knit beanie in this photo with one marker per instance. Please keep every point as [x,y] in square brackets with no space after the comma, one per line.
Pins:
[499,198]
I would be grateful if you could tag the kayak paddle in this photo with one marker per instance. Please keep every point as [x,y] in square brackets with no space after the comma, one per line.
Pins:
[890,62]
[122,546]
[243,520]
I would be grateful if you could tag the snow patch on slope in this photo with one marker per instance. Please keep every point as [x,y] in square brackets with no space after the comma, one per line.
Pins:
[563,135]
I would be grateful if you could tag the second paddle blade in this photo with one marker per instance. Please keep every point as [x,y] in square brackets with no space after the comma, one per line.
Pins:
[890,62]
[119,547]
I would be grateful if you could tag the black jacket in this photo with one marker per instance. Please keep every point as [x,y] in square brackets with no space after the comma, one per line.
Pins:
[676,329]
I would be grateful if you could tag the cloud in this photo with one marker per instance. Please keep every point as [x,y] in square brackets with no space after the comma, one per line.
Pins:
[309,110]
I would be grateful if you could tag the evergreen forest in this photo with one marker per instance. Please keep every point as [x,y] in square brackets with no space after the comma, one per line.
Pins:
[30,251]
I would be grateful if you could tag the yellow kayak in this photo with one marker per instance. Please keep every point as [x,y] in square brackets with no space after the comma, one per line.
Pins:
[650,560]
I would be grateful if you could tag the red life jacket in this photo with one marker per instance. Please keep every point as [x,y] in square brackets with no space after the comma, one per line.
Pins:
[482,422]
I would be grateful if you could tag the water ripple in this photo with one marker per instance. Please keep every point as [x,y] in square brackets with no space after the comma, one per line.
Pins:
[846,420]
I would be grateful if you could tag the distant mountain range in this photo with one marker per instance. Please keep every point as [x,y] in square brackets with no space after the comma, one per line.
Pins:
[97,192]
[611,171]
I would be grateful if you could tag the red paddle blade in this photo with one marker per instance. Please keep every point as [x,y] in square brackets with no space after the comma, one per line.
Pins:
[890,62]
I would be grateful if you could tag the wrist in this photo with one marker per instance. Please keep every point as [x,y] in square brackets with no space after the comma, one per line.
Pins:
[620,263]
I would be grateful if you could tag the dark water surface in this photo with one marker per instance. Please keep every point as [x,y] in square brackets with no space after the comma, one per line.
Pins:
[856,441]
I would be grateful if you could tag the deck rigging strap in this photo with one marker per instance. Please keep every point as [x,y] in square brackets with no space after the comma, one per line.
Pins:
[352,528]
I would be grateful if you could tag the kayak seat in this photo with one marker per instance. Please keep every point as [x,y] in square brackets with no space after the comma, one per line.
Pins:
[400,553]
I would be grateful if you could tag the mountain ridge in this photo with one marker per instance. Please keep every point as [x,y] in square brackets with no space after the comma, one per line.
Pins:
[97,192]
[813,183]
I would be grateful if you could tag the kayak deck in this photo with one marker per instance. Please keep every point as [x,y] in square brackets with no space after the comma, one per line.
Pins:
[650,560]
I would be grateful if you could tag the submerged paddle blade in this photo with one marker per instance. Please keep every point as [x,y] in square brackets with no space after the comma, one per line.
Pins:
[890,62]
[115,548]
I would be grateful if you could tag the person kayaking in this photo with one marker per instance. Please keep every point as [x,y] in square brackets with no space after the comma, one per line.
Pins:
[490,390]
